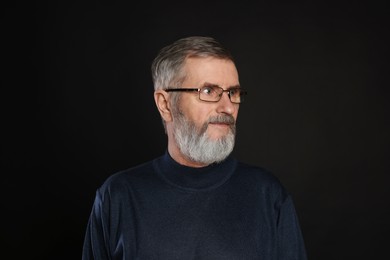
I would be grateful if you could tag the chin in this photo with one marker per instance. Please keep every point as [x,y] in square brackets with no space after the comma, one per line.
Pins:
[218,135]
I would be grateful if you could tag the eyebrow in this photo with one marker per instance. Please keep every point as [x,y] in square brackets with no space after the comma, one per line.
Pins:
[206,84]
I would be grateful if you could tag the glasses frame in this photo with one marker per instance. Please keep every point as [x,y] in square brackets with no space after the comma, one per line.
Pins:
[242,92]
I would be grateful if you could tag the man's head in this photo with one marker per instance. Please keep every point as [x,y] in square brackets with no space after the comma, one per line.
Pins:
[191,77]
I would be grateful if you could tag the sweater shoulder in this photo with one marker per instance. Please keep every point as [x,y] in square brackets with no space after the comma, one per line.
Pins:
[257,172]
[259,178]
[126,178]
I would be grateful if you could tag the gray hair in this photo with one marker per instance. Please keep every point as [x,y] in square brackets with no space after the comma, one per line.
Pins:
[167,66]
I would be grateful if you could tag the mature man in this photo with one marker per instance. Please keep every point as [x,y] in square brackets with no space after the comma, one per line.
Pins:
[196,201]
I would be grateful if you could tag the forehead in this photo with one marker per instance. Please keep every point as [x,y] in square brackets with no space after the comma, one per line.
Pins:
[216,71]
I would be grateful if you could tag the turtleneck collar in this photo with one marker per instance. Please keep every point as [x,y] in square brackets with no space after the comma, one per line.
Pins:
[194,179]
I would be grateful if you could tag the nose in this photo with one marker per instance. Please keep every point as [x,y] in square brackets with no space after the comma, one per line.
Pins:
[225,105]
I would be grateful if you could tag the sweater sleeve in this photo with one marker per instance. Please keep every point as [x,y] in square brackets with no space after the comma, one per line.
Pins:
[290,240]
[95,243]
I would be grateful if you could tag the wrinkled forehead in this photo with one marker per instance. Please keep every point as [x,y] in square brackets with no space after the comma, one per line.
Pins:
[210,70]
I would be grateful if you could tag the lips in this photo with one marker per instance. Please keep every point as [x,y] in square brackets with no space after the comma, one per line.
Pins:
[220,124]
[223,125]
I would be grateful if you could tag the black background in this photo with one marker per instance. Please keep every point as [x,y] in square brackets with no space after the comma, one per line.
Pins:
[77,105]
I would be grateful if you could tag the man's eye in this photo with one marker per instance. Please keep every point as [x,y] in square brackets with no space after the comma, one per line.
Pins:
[233,92]
[207,90]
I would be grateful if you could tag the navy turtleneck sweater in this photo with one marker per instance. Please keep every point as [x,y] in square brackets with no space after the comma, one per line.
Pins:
[164,210]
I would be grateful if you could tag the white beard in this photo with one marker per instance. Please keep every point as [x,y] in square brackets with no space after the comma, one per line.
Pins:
[195,144]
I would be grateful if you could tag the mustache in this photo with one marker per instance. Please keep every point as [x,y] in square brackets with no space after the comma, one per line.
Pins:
[222,119]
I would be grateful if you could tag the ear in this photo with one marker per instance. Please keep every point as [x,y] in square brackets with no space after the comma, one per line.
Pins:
[163,105]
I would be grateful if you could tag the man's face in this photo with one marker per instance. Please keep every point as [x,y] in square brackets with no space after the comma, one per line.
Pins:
[202,71]
[205,131]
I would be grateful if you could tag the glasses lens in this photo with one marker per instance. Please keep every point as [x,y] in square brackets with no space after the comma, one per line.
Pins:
[236,95]
[213,94]
[209,93]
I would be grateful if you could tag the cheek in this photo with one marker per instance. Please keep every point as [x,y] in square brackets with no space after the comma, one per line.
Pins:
[197,114]
[202,117]
[200,121]
[235,115]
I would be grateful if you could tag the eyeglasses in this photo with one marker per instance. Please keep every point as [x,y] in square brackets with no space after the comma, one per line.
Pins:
[214,93]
